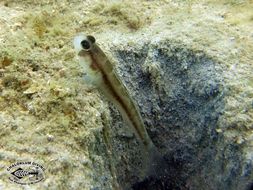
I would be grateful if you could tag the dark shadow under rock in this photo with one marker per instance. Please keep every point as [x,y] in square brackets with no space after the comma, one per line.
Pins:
[180,93]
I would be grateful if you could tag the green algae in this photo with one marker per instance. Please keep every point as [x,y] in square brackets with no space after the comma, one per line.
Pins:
[120,13]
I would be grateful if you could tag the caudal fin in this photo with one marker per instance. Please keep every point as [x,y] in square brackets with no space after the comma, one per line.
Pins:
[157,166]
[156,174]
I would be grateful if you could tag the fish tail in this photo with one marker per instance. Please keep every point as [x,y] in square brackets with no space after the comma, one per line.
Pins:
[157,167]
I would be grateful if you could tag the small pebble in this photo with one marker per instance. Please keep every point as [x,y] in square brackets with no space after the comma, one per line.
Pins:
[50,138]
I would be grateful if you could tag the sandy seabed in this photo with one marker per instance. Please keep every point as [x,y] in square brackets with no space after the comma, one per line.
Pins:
[196,55]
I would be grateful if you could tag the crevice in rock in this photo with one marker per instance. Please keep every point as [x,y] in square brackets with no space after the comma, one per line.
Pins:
[180,93]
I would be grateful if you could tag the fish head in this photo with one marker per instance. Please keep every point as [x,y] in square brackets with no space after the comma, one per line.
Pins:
[85,47]
[83,43]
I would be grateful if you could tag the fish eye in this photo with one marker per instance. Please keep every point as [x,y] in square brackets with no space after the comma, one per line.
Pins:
[91,39]
[85,44]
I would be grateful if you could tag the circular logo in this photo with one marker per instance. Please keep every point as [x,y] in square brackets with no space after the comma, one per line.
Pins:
[26,173]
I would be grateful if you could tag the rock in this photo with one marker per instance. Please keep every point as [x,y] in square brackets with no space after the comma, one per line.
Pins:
[188,104]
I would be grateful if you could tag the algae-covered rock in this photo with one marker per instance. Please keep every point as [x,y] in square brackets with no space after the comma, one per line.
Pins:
[182,110]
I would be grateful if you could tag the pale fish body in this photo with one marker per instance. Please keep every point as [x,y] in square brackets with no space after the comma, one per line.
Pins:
[101,73]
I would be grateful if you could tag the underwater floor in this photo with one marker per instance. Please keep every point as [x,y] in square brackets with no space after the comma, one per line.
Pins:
[187,65]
